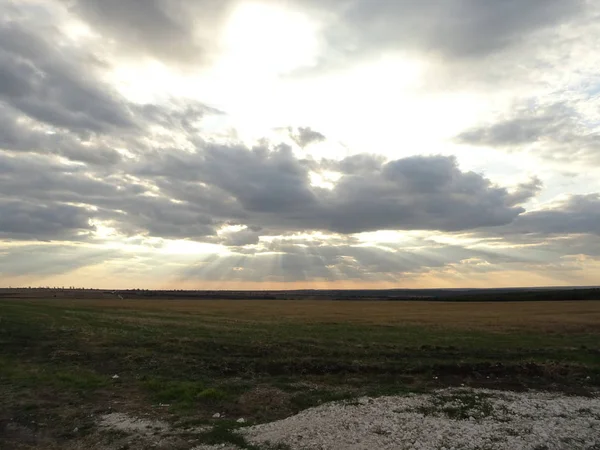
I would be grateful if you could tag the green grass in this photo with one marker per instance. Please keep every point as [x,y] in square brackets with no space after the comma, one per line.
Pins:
[57,361]
[167,391]
[184,394]
[27,375]
[223,433]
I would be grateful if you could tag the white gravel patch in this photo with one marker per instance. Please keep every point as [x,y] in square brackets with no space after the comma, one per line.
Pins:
[133,425]
[447,419]
[216,447]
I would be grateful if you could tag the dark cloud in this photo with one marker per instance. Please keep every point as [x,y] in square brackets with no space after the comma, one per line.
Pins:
[418,193]
[526,191]
[53,85]
[562,236]
[453,29]
[262,181]
[25,220]
[17,134]
[53,101]
[556,131]
[130,206]
[271,189]
[176,116]
[361,164]
[304,136]
[158,217]
[182,32]
[578,214]
[241,238]
[191,195]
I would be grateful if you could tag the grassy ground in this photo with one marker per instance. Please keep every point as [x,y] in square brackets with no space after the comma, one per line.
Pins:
[183,361]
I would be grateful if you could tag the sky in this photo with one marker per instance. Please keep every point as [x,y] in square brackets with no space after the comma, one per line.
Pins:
[285,144]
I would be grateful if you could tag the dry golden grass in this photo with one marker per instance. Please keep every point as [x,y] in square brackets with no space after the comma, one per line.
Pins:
[547,316]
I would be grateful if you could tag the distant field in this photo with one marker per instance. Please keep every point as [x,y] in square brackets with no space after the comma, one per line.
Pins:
[551,316]
[184,360]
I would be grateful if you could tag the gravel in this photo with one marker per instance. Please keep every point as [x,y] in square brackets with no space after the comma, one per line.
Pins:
[216,447]
[446,419]
[133,425]
[449,419]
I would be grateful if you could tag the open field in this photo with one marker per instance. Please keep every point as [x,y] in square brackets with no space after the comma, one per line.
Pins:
[549,316]
[182,361]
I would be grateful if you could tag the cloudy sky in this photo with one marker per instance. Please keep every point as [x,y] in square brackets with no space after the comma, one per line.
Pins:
[299,143]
